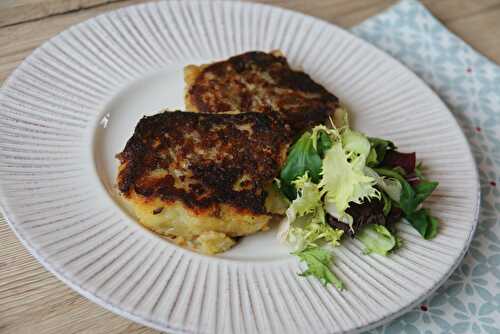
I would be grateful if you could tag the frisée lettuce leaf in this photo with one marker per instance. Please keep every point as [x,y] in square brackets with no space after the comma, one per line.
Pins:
[344,179]
[305,223]
[318,261]
[308,198]
[355,144]
[312,234]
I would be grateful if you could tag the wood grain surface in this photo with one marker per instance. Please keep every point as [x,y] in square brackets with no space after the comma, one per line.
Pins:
[18,11]
[31,299]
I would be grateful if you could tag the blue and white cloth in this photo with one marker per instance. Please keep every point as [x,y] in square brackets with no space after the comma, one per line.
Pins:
[470,85]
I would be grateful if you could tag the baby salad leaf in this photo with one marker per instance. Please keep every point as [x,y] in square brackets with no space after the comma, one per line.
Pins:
[391,186]
[355,143]
[318,261]
[302,158]
[323,144]
[394,159]
[394,216]
[371,160]
[308,196]
[387,204]
[424,223]
[344,180]
[389,173]
[366,213]
[418,171]
[377,239]
[379,147]
[407,200]
[322,138]
[305,223]
[410,199]
[424,189]
[308,236]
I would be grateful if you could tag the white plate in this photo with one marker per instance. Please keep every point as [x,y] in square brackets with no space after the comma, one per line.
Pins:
[69,108]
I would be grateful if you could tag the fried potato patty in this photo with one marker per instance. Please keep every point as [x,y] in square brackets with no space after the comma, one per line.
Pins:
[202,177]
[258,82]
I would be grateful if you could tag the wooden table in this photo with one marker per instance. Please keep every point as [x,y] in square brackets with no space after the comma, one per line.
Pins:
[31,299]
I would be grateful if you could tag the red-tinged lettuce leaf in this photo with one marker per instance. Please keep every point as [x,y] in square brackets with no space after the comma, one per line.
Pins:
[368,212]
[406,161]
[394,216]
[413,179]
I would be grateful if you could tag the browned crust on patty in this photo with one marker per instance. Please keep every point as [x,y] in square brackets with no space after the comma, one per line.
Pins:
[258,82]
[204,160]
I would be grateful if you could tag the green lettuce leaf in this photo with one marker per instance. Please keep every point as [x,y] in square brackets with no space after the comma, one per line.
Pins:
[305,223]
[302,157]
[308,196]
[355,143]
[410,200]
[410,197]
[378,149]
[323,144]
[424,189]
[390,173]
[391,186]
[311,234]
[322,138]
[418,171]
[377,239]
[424,223]
[343,178]
[318,261]
[387,204]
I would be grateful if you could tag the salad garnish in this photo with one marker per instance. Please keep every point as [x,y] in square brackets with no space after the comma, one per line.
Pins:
[340,182]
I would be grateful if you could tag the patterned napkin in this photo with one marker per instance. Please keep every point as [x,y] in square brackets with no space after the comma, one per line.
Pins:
[470,85]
